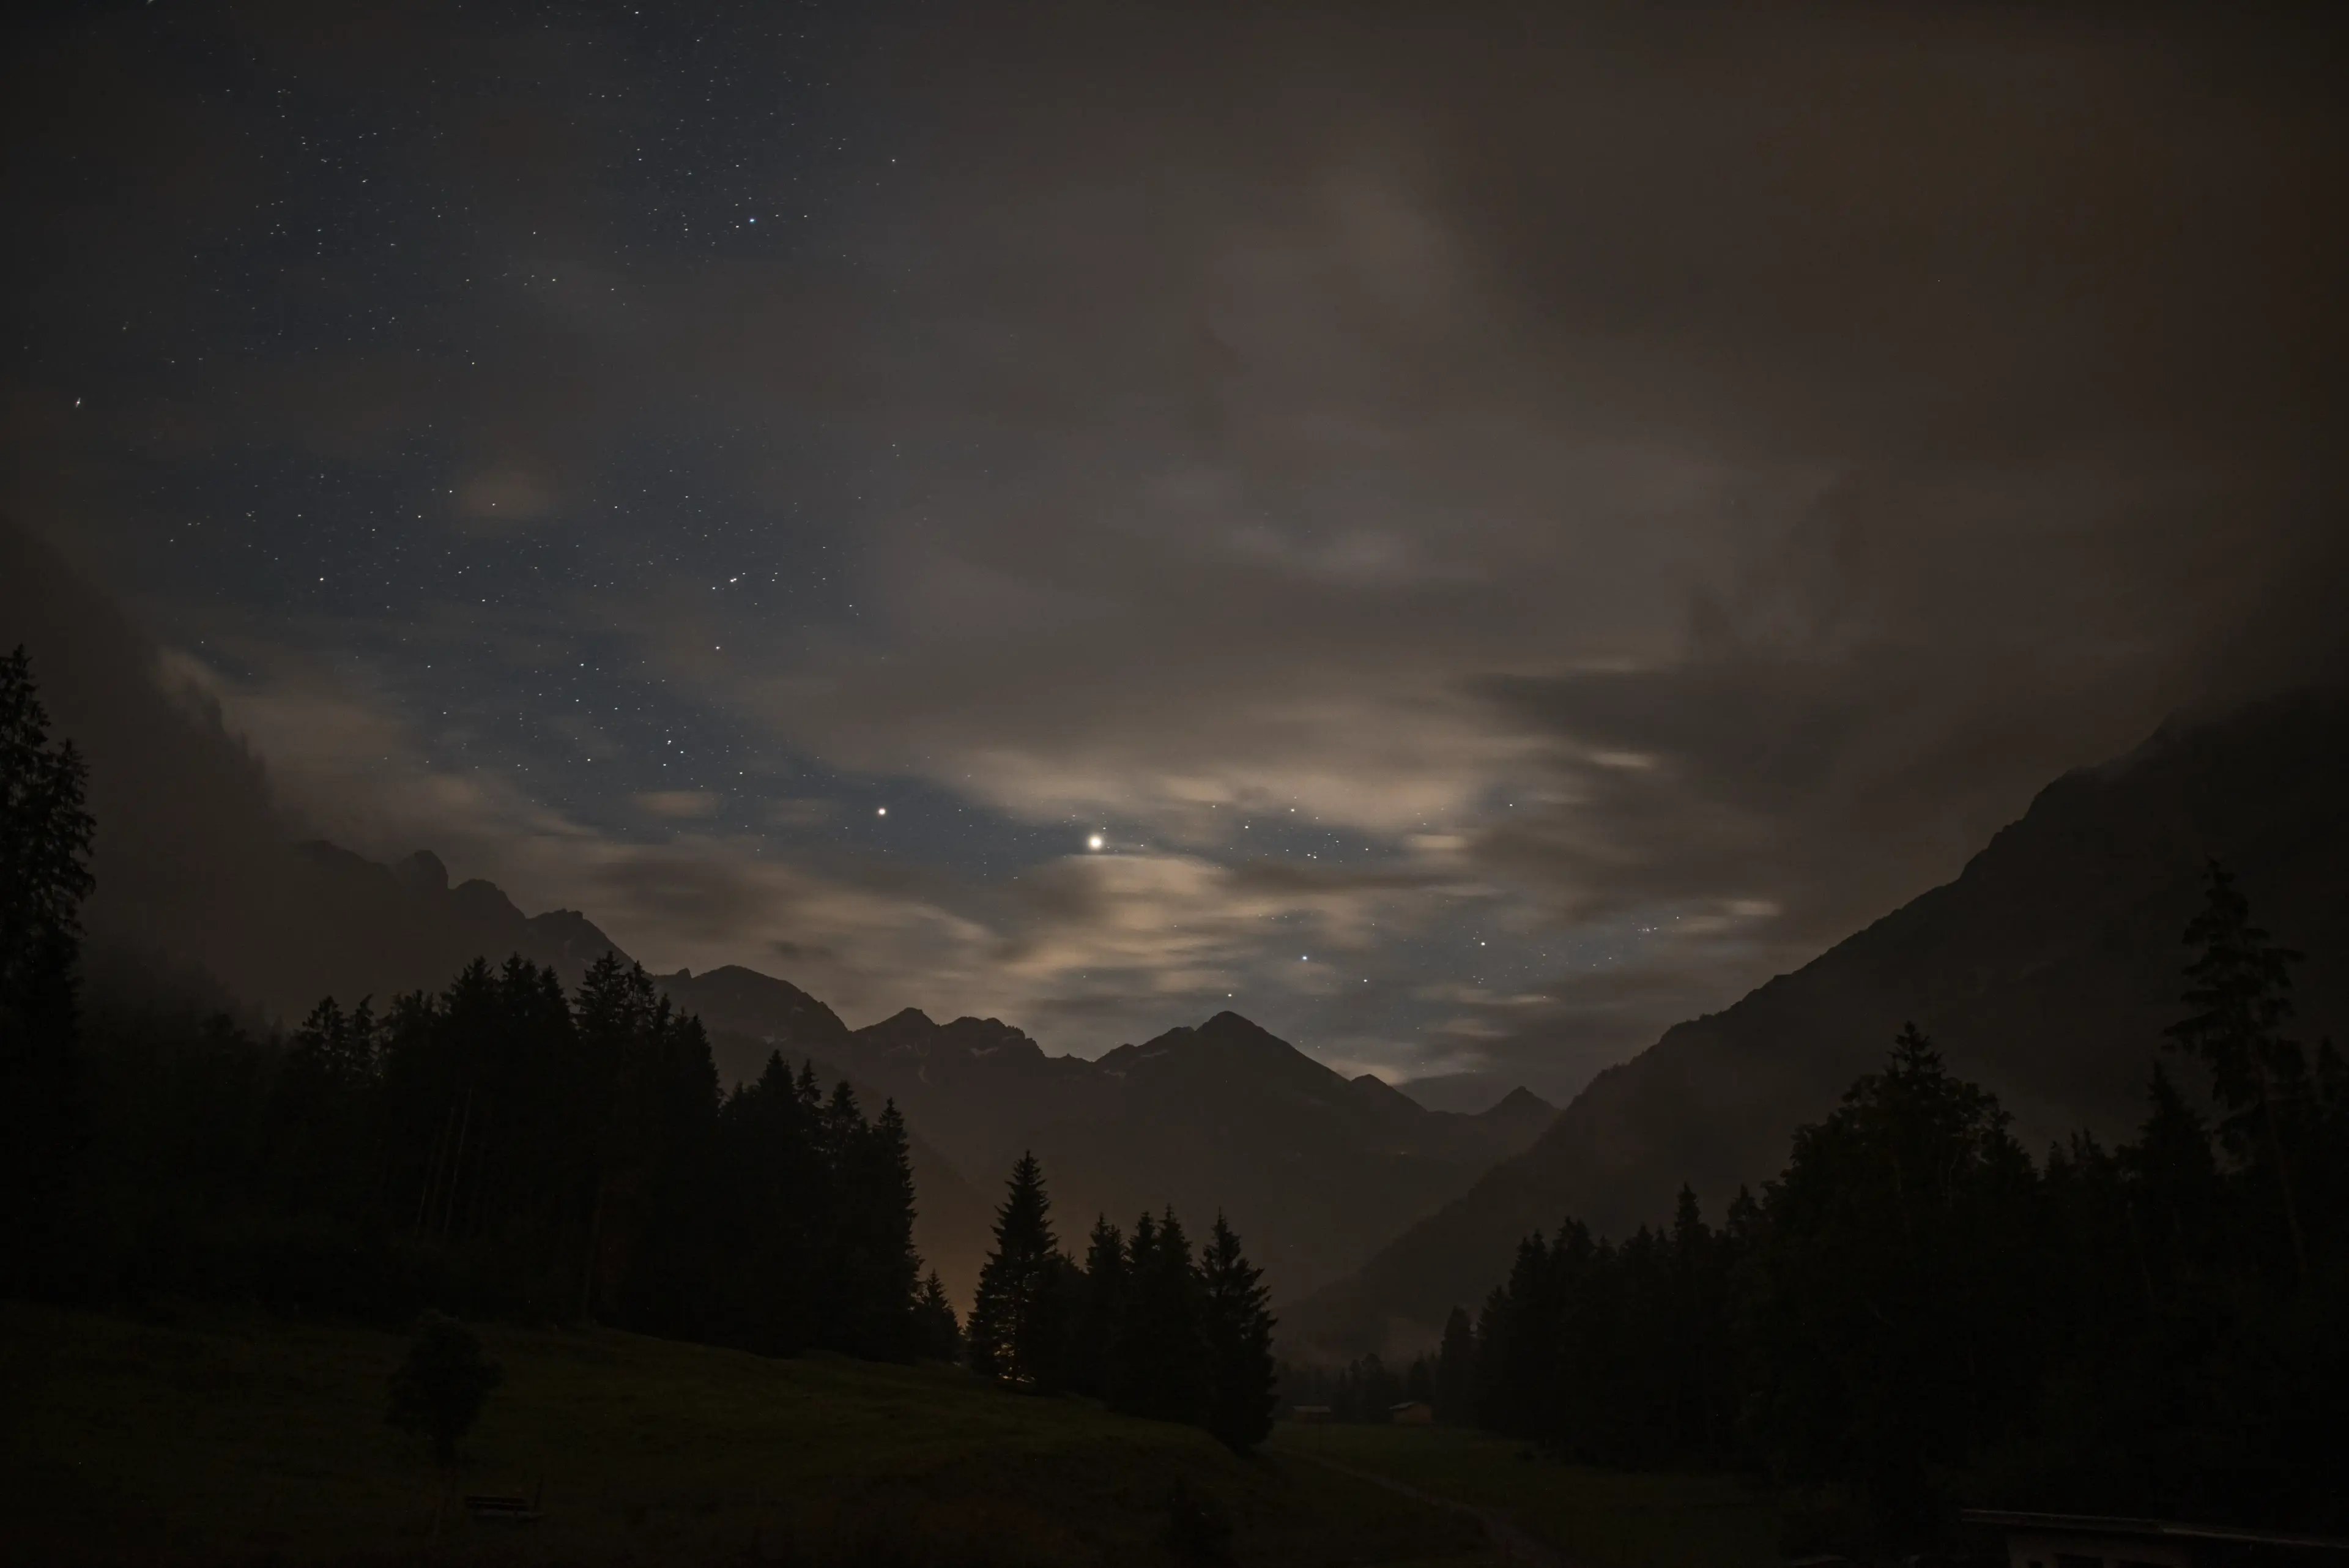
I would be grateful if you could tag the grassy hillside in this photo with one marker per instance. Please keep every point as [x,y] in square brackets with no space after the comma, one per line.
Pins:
[238,1439]
[1607,1519]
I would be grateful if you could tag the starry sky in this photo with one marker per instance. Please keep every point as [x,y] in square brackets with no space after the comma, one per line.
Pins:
[1466,533]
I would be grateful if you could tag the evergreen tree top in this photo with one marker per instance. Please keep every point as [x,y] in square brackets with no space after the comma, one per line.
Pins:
[2238,995]
[44,834]
[1023,1225]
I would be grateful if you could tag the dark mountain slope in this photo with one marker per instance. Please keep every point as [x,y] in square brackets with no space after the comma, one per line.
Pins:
[759,1014]
[976,1084]
[403,928]
[1518,1118]
[2047,970]
[199,871]
[1469,1091]
[1313,1169]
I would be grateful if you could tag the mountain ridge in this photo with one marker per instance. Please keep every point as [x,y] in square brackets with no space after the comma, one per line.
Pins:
[2046,971]
[1227,1112]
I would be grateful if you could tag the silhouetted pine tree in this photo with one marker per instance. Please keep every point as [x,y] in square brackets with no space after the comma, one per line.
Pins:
[1011,1331]
[2240,998]
[45,837]
[322,1131]
[1893,1325]
[2172,1207]
[1160,1350]
[1102,1300]
[937,1335]
[1455,1371]
[1496,1357]
[874,1273]
[1237,1333]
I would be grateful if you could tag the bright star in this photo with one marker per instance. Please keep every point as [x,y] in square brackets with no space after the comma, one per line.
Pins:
[1095,842]
[881,811]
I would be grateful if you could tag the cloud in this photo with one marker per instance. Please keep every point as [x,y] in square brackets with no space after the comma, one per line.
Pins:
[680,804]
[1592,518]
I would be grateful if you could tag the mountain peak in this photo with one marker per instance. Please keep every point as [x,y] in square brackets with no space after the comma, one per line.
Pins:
[2045,971]
[1224,1045]
[774,1012]
[422,871]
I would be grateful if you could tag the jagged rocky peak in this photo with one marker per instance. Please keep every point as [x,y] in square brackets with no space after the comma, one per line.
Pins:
[760,1006]
[422,872]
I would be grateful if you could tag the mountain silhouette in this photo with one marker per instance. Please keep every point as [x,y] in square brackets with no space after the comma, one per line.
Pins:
[758,1013]
[201,875]
[403,928]
[2047,971]
[1314,1169]
[205,877]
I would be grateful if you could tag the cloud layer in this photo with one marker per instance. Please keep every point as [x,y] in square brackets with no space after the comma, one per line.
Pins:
[1510,523]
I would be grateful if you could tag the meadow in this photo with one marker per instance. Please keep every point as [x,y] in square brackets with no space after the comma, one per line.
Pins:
[205,1436]
[1607,1519]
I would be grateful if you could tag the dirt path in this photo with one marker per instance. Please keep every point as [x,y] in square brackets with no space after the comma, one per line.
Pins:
[1509,1538]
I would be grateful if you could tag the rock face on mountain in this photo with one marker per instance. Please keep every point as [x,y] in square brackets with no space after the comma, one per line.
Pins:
[977,1084]
[403,928]
[199,872]
[757,1015]
[2045,971]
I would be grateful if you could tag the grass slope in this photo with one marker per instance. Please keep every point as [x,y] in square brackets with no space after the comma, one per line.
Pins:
[224,1438]
[1608,1519]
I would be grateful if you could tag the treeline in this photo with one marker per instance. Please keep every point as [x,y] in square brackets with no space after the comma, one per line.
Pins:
[1141,1324]
[1367,1392]
[1916,1310]
[500,1148]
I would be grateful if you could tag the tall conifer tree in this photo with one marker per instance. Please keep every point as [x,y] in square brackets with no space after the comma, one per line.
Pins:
[1241,1381]
[1093,1341]
[2239,994]
[1455,1371]
[1159,1356]
[1011,1333]
[938,1333]
[45,837]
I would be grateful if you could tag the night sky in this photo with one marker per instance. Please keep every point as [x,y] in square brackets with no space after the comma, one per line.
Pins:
[1467,533]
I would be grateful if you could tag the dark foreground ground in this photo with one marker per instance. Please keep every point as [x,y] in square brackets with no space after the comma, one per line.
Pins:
[208,1438]
[1607,1519]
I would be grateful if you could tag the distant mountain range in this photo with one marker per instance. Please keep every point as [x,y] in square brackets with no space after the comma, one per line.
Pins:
[1313,1168]
[208,892]
[2047,971]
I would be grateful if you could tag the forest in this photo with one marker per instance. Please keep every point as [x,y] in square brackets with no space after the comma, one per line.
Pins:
[1915,1310]
[1918,1311]
[506,1149]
